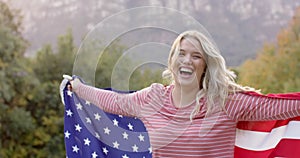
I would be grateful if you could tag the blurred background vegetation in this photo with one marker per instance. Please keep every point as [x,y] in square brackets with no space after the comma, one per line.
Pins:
[31,112]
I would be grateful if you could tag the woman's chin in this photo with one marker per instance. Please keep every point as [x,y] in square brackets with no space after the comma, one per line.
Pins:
[187,82]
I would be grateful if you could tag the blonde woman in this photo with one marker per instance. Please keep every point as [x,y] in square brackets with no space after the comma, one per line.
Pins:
[196,114]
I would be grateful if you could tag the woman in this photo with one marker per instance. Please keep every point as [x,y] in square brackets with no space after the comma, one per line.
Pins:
[196,115]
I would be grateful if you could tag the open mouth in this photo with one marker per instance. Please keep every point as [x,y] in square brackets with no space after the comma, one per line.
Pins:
[185,71]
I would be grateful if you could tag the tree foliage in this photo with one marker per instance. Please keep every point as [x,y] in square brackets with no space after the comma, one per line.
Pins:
[31,122]
[276,68]
[117,70]
[16,122]
[147,75]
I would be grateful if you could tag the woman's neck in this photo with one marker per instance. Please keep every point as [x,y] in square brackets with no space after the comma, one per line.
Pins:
[184,96]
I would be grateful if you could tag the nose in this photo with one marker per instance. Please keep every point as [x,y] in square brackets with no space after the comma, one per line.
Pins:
[187,60]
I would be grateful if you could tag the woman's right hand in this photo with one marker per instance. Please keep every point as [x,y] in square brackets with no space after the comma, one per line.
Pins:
[74,82]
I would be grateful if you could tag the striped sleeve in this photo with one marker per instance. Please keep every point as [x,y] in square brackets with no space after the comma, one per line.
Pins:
[246,107]
[127,104]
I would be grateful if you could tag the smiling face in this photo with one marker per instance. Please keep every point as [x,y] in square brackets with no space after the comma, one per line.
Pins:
[190,64]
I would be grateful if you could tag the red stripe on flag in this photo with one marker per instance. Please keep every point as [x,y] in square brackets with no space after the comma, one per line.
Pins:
[294,95]
[264,126]
[244,153]
[286,148]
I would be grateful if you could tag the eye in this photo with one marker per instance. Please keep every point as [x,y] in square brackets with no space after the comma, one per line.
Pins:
[181,53]
[197,56]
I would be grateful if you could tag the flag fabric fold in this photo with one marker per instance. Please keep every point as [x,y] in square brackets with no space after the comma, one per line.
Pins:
[269,139]
[91,132]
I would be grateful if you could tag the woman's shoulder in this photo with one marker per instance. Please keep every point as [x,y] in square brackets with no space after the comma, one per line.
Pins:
[158,88]
[244,95]
[158,85]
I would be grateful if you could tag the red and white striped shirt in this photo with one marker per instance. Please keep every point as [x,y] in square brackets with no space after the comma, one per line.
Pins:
[171,132]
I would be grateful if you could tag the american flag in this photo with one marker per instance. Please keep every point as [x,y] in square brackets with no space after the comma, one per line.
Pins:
[91,132]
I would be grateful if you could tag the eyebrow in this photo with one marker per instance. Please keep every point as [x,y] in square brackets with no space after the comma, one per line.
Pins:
[192,52]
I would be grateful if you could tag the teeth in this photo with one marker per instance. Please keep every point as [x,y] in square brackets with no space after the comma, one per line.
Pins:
[186,70]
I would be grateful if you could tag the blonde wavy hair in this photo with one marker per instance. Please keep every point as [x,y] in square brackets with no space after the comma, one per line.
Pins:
[217,81]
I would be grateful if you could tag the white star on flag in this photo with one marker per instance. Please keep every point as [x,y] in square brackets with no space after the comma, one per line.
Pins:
[69,113]
[94,154]
[97,116]
[116,123]
[135,148]
[116,145]
[75,148]
[106,130]
[67,134]
[125,135]
[78,128]
[105,150]
[97,135]
[79,106]
[130,126]
[87,141]
[150,150]
[88,120]
[141,137]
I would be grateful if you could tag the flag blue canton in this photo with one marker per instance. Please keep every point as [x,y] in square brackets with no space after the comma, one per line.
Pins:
[91,132]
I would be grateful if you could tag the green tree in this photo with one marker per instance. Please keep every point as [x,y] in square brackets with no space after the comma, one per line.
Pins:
[16,122]
[276,68]
[30,107]
[12,48]
[148,74]
[115,70]
[46,107]
[49,65]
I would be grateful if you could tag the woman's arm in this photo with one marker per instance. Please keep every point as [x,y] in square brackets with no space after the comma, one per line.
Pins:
[255,107]
[117,103]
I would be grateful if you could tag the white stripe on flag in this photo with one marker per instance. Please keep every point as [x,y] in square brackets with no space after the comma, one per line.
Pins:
[258,141]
